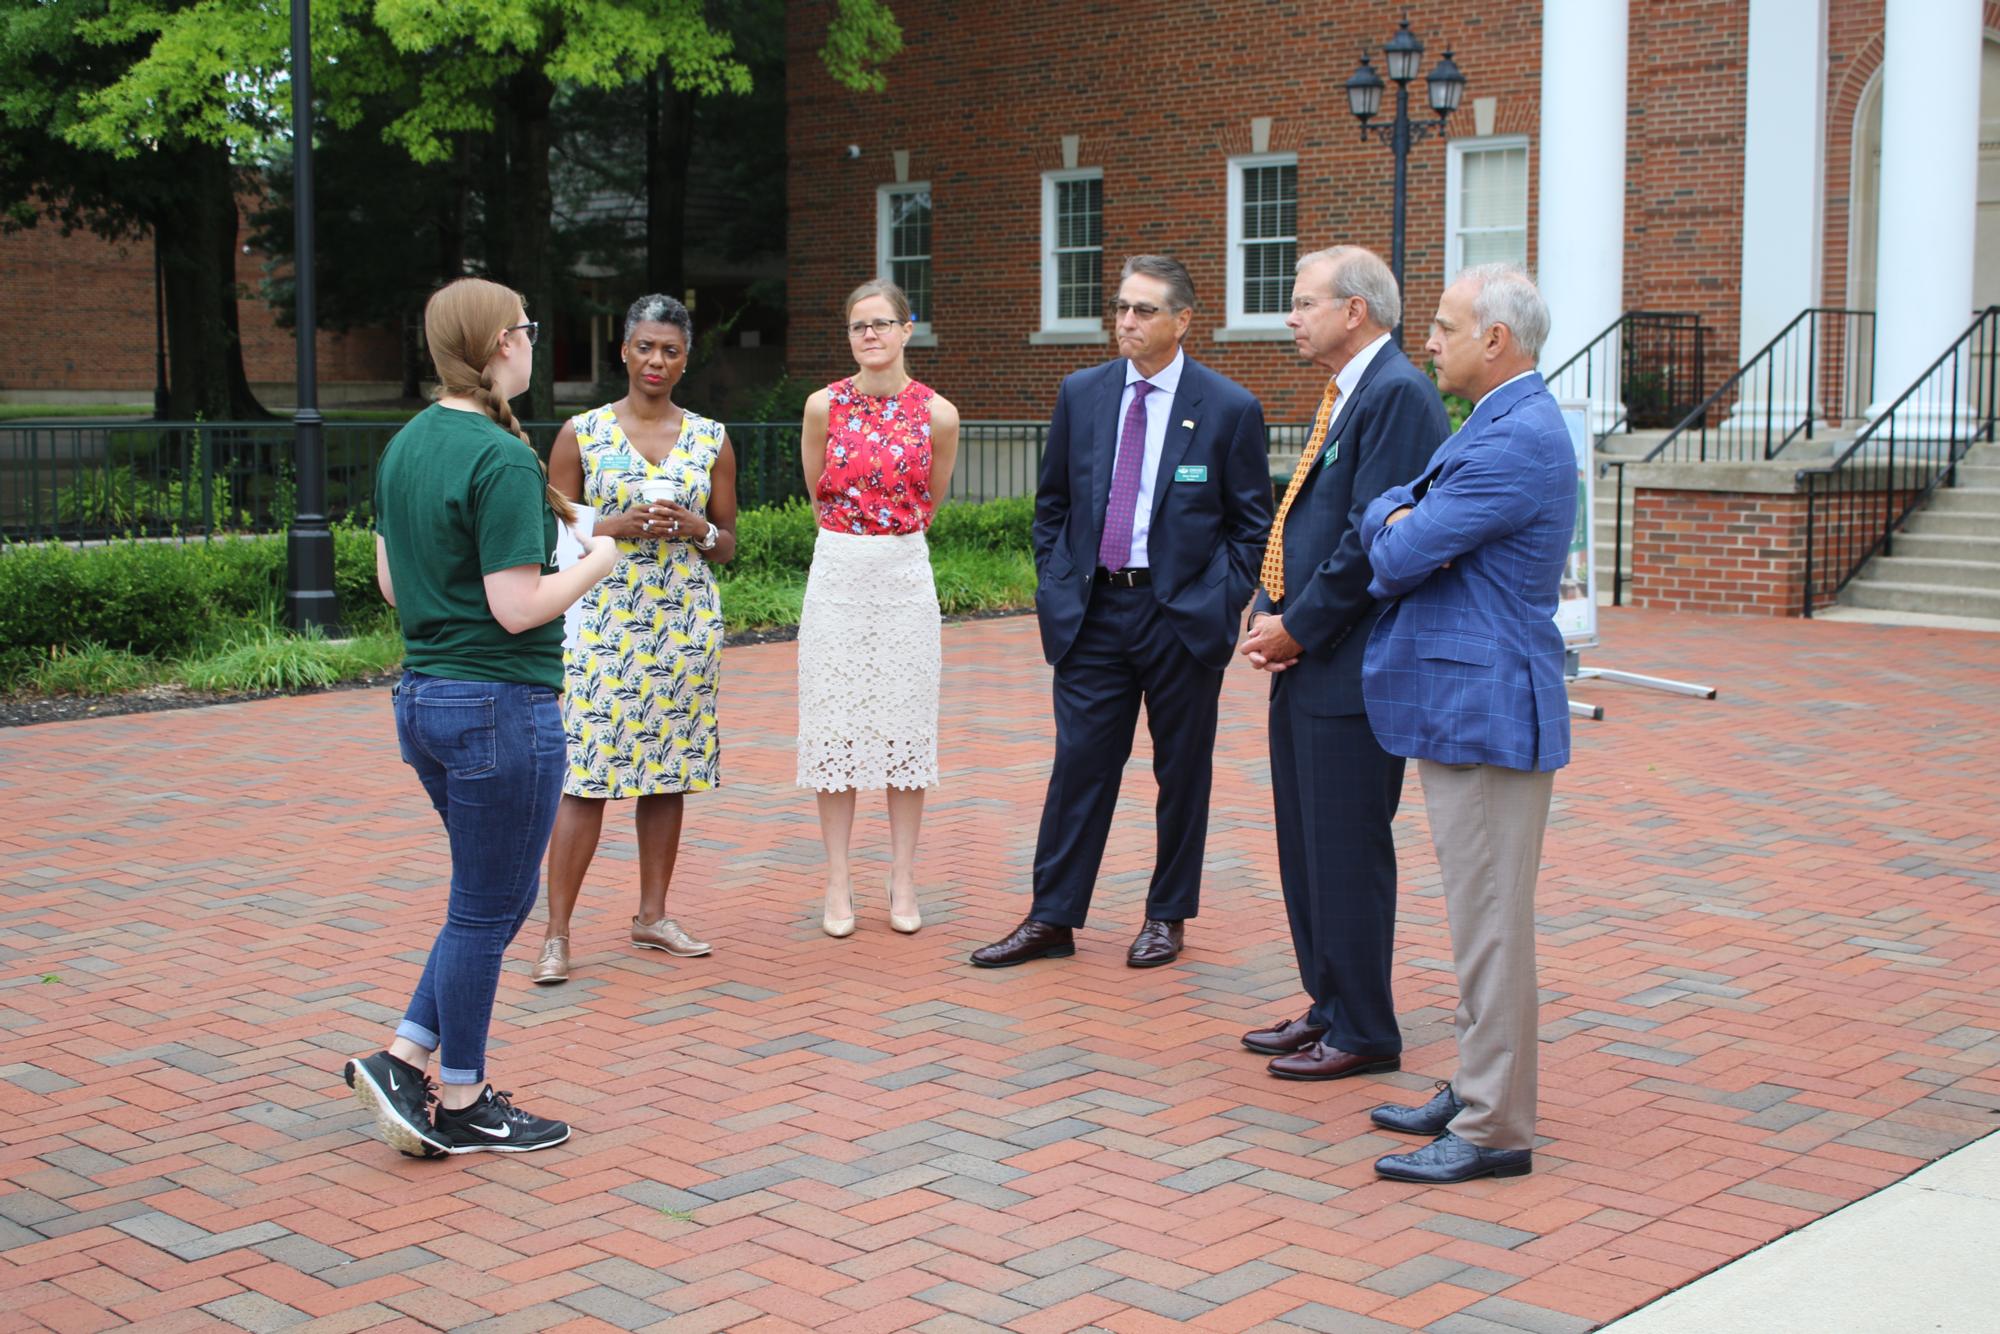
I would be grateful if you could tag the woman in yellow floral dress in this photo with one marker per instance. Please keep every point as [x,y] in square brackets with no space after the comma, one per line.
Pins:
[639,684]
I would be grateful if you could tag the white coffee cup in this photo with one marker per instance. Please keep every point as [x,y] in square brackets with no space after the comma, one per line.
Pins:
[658,490]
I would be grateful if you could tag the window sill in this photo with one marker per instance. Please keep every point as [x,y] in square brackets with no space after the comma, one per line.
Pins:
[1254,333]
[1067,337]
[924,338]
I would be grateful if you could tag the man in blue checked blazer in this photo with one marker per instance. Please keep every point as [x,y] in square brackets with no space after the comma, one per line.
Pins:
[1464,674]
[1334,789]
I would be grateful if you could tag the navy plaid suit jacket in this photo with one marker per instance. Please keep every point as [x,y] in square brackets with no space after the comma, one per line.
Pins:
[1465,665]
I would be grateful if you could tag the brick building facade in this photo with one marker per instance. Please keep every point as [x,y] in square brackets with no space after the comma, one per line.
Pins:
[76,320]
[987,104]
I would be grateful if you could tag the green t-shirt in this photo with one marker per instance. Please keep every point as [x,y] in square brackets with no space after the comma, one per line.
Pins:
[456,498]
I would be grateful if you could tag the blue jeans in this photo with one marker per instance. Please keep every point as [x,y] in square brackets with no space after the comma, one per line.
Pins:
[491,756]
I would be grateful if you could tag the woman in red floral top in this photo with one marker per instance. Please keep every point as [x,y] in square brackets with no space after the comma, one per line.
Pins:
[877,449]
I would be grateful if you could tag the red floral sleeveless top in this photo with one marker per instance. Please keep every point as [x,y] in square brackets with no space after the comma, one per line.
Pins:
[878,461]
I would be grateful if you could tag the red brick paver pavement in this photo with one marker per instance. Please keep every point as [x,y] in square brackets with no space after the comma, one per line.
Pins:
[1770,931]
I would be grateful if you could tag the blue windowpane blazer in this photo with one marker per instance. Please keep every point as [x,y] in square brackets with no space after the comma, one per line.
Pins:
[1465,665]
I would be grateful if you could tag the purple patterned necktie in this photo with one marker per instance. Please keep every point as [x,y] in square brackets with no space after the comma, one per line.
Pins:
[1115,551]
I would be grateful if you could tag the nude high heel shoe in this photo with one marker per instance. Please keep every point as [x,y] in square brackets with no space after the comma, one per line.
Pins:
[838,927]
[908,926]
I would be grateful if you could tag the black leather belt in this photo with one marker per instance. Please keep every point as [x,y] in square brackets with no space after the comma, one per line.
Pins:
[1137,577]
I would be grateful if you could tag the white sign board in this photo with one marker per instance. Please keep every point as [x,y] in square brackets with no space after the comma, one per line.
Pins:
[1576,608]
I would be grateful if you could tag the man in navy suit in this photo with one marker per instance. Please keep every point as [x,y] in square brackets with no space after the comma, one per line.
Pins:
[1465,673]
[1149,523]
[1335,789]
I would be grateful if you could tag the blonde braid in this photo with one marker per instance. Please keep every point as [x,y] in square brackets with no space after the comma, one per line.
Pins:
[502,412]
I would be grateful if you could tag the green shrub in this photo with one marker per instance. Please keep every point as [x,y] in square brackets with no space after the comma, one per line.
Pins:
[969,579]
[996,525]
[754,601]
[776,540]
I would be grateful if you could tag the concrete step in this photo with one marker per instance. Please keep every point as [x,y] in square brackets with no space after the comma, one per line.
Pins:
[1948,546]
[1963,499]
[1914,569]
[1984,476]
[1962,523]
[1935,599]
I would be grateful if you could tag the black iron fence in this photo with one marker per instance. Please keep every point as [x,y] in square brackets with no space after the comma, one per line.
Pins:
[89,481]
[1856,504]
[1643,372]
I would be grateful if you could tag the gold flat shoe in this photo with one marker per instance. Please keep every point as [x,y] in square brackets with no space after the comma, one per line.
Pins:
[666,934]
[553,966]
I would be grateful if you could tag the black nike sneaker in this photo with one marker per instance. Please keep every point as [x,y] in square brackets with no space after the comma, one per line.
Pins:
[398,1096]
[495,1125]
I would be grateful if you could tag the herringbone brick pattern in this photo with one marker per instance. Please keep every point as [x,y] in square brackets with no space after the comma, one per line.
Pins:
[1770,933]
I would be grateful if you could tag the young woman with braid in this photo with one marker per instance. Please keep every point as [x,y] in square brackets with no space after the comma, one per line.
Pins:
[465,534]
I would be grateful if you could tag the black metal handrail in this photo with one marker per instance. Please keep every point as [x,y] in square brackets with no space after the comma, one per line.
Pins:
[1856,503]
[1838,377]
[1830,379]
[1645,369]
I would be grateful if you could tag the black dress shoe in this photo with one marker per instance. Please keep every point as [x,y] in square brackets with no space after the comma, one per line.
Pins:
[1029,940]
[1285,1038]
[1156,943]
[1429,1119]
[1320,1061]
[1448,1160]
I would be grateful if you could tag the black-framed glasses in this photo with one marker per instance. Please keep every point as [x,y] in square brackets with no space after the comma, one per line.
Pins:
[1139,308]
[878,326]
[534,328]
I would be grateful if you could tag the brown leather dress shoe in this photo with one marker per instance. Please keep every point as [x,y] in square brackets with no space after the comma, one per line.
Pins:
[1156,943]
[1283,1039]
[1320,1061]
[1029,940]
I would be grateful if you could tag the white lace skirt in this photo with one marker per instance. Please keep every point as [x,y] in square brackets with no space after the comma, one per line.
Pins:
[869,662]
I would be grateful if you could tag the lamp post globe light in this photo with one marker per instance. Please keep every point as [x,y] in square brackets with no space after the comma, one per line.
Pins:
[1402,56]
[309,595]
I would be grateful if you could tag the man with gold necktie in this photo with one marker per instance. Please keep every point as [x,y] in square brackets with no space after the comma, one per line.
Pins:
[1334,787]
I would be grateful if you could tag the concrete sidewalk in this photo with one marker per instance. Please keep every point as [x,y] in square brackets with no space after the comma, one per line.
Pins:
[1917,1256]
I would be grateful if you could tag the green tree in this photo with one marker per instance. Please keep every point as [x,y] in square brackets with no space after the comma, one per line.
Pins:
[58,60]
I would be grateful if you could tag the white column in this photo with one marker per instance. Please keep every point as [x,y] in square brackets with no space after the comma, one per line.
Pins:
[1930,186]
[1580,234]
[1784,188]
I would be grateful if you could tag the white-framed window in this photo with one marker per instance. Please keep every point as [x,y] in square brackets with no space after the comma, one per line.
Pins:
[1485,203]
[1263,239]
[903,245]
[1073,251]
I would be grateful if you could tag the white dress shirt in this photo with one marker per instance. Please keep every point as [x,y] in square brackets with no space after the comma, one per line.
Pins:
[1159,413]
[1350,376]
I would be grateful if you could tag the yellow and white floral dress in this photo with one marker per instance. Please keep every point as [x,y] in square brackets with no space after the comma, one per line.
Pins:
[639,683]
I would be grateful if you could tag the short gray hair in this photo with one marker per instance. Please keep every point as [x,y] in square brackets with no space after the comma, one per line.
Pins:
[1360,272]
[657,309]
[1180,287]
[1507,295]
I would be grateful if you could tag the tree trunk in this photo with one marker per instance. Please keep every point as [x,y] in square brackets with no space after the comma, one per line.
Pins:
[669,146]
[527,229]
[198,260]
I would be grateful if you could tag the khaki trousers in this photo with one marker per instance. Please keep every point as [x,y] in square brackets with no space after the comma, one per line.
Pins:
[1487,823]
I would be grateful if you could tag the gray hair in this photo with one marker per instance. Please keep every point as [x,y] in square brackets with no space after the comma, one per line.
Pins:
[655,308]
[1180,287]
[1507,295]
[1359,272]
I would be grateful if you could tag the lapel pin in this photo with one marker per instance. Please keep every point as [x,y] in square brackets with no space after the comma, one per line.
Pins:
[1188,422]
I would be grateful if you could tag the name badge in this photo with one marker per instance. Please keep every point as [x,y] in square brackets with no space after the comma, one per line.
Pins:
[609,462]
[1331,453]
[1191,472]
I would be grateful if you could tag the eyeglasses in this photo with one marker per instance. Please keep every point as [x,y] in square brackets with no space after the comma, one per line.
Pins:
[880,327]
[534,328]
[1139,308]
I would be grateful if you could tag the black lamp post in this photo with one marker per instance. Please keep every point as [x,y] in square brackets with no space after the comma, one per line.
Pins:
[309,595]
[1401,55]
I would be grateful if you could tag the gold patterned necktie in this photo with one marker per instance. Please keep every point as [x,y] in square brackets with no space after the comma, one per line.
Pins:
[1273,573]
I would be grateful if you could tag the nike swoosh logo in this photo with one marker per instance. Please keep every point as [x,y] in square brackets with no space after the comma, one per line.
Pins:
[502,1133]
[394,1087]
